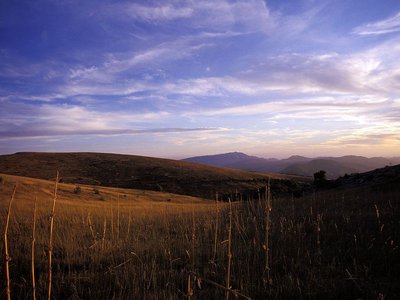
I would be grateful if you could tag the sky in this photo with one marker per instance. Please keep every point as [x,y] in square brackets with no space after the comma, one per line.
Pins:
[182,78]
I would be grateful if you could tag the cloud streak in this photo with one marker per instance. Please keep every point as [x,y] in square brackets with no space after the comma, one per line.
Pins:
[67,120]
[358,110]
[48,132]
[219,15]
[389,25]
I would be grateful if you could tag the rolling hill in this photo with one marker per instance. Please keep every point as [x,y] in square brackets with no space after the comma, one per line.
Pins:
[138,172]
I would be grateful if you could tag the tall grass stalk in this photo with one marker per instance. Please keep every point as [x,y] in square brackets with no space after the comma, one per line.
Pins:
[193,237]
[129,224]
[318,234]
[216,228]
[6,254]
[190,282]
[377,215]
[189,287]
[112,220]
[228,274]
[89,220]
[51,237]
[33,250]
[118,219]
[268,209]
[103,239]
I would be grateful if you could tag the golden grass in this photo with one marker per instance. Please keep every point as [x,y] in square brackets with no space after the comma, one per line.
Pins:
[140,201]
[163,245]
[84,217]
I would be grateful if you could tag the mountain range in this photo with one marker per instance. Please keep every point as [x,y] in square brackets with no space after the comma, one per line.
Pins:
[297,165]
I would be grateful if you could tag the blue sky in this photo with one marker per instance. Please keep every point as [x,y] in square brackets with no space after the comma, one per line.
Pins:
[182,78]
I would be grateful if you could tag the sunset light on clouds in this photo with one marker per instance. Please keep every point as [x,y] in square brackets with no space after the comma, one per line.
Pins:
[182,78]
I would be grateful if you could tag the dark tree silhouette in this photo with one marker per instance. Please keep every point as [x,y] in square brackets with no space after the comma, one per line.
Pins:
[320,178]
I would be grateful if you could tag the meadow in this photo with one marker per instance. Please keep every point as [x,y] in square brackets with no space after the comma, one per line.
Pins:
[114,243]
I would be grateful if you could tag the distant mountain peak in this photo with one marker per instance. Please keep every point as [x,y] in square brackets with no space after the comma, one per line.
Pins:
[222,159]
[235,153]
[297,157]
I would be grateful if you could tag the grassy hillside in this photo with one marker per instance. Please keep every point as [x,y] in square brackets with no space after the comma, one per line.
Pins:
[83,195]
[124,244]
[138,172]
[383,178]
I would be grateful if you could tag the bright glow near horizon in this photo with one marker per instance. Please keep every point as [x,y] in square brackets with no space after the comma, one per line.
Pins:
[183,78]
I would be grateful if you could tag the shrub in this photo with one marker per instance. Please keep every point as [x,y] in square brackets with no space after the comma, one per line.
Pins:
[77,190]
[320,178]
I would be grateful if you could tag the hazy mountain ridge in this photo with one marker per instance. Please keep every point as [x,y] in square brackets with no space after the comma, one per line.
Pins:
[298,165]
[331,167]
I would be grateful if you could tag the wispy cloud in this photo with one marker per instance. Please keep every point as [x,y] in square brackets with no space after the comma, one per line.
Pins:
[48,132]
[51,120]
[375,71]
[161,53]
[367,136]
[284,26]
[391,24]
[163,12]
[219,15]
[328,107]
[369,74]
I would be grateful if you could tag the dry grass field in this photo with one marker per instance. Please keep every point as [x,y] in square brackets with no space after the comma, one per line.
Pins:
[133,244]
[95,230]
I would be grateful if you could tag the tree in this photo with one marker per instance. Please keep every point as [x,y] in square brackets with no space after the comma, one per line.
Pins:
[320,178]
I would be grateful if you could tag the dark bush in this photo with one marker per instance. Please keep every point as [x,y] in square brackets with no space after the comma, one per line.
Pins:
[320,179]
[77,190]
